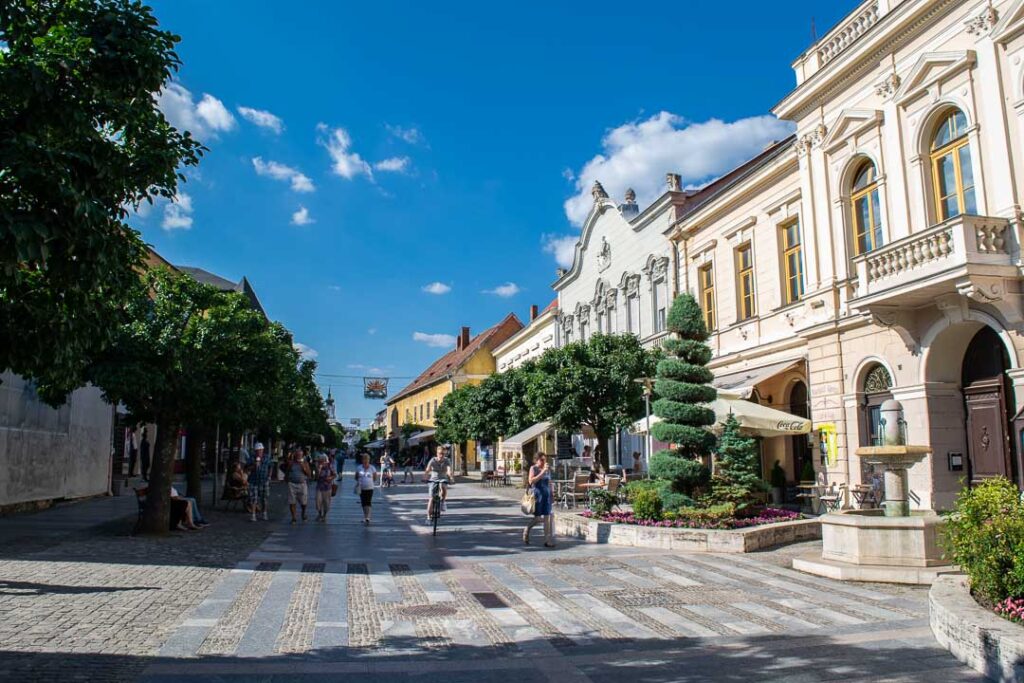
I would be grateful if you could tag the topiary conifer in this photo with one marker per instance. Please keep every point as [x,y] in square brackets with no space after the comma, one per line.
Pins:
[683,387]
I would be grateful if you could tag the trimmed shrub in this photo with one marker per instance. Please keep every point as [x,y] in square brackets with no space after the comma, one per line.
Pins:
[683,392]
[646,504]
[689,350]
[738,468]
[681,474]
[602,502]
[985,536]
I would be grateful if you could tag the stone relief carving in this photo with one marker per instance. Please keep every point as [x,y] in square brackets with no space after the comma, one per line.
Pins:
[981,24]
[597,191]
[888,87]
[811,140]
[604,256]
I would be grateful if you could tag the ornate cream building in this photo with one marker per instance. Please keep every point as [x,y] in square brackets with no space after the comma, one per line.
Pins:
[875,254]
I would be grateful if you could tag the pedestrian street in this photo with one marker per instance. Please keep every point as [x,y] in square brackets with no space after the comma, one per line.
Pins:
[391,602]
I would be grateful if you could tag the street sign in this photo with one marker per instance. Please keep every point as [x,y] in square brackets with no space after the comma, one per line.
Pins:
[375,387]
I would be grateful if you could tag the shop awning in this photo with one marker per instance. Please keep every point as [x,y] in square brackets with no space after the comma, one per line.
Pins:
[373,445]
[517,441]
[742,383]
[754,419]
[421,437]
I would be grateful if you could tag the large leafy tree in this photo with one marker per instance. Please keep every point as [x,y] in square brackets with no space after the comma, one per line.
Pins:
[192,354]
[81,142]
[500,405]
[454,417]
[683,385]
[592,384]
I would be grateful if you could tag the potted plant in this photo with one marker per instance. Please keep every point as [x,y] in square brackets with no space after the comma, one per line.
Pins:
[777,479]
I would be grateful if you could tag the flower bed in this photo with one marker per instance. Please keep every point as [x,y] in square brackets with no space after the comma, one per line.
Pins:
[766,516]
[1012,609]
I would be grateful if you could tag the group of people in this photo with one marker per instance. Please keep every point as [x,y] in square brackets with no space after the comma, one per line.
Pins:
[437,471]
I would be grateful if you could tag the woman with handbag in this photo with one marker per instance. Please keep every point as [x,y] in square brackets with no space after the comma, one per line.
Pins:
[325,487]
[540,485]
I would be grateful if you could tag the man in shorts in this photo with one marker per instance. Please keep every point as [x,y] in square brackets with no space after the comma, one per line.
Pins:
[259,481]
[297,474]
[439,473]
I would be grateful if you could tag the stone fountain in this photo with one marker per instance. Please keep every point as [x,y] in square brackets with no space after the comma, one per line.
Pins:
[891,545]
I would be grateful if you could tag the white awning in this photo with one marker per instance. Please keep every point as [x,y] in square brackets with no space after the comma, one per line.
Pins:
[379,443]
[742,383]
[517,441]
[421,437]
[754,419]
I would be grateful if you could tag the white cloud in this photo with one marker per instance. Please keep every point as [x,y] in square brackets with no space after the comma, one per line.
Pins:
[334,288]
[178,213]
[338,144]
[307,352]
[437,288]
[505,291]
[372,330]
[441,341]
[393,164]
[562,247]
[278,171]
[411,135]
[207,117]
[639,154]
[262,118]
[301,217]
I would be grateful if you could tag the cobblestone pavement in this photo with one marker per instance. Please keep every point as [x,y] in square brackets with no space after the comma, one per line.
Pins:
[95,603]
[390,602]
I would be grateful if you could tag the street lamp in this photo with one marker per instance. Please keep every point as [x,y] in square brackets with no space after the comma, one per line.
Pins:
[648,384]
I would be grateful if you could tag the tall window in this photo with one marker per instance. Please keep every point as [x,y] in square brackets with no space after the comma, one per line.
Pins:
[660,305]
[792,262]
[428,410]
[600,321]
[583,329]
[706,280]
[745,281]
[867,214]
[951,167]
[611,320]
[633,314]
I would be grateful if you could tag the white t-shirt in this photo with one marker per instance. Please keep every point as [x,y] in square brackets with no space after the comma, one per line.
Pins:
[364,477]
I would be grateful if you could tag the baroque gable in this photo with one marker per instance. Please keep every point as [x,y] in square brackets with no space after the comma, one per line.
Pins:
[932,68]
[849,123]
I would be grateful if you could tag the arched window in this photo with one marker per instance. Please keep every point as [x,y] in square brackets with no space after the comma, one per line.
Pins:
[952,175]
[867,212]
[877,389]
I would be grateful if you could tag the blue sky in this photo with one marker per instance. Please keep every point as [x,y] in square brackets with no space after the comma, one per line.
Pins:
[361,152]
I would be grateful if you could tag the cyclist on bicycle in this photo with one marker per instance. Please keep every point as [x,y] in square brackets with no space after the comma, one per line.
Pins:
[439,472]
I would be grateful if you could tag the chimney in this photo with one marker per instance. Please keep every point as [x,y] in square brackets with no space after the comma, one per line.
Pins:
[629,208]
[463,338]
[533,312]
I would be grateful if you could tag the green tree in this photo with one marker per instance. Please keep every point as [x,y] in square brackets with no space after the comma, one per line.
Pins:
[82,142]
[592,384]
[737,477]
[683,385]
[500,405]
[454,417]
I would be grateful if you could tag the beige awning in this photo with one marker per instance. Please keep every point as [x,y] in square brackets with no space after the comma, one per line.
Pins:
[754,419]
[421,437]
[742,383]
[516,442]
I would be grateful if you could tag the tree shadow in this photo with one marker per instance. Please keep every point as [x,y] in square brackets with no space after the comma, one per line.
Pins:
[33,588]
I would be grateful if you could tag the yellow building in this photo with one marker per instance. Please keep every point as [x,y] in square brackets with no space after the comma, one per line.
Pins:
[470,362]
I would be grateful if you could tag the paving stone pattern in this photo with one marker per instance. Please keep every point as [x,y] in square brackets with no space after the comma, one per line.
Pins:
[391,602]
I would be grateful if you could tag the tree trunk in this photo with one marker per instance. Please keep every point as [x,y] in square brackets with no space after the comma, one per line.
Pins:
[156,517]
[194,462]
[604,450]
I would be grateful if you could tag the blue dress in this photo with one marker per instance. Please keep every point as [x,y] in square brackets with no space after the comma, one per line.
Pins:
[542,492]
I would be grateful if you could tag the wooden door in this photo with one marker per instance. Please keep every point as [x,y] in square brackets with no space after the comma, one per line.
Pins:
[988,442]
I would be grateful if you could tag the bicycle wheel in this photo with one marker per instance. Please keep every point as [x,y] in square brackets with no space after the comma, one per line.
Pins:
[437,512]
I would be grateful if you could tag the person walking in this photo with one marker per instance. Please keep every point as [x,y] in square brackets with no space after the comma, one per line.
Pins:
[325,477]
[297,474]
[133,452]
[144,455]
[540,481]
[406,458]
[259,481]
[365,480]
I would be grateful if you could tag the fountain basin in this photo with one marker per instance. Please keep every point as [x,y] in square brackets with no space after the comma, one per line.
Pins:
[868,537]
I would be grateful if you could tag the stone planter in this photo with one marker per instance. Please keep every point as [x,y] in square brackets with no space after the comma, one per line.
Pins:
[688,540]
[980,639]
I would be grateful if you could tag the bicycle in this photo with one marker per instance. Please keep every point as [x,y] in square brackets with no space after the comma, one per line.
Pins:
[435,504]
[387,478]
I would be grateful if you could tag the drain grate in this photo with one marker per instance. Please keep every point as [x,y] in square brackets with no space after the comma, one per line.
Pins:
[490,600]
[358,569]
[268,566]
[313,568]
[435,610]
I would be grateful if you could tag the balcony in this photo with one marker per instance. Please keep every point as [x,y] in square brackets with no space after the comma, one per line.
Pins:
[966,255]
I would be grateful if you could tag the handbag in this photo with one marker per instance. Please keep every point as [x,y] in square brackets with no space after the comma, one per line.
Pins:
[334,490]
[529,503]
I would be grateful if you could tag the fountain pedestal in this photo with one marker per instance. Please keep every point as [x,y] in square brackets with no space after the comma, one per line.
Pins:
[891,545]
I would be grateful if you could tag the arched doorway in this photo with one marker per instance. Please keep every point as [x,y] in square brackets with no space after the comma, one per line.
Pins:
[798,405]
[875,390]
[988,404]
